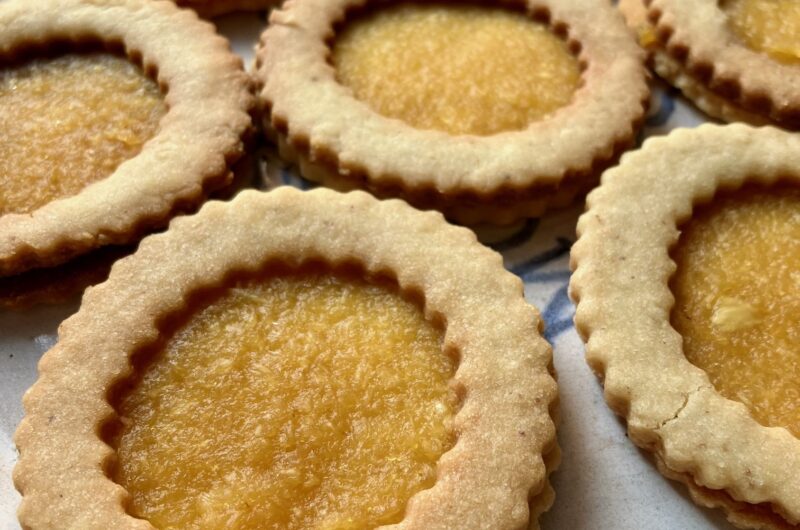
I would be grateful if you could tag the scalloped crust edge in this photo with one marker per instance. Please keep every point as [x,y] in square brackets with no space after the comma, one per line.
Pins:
[671,71]
[502,208]
[740,514]
[18,254]
[44,477]
[722,98]
[649,419]
[502,205]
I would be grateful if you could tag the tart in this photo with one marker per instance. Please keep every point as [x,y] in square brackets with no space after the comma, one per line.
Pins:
[294,352]
[357,99]
[215,8]
[94,154]
[737,60]
[691,319]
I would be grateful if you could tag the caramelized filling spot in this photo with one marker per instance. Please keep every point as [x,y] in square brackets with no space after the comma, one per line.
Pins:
[458,69]
[769,26]
[737,291]
[68,122]
[301,401]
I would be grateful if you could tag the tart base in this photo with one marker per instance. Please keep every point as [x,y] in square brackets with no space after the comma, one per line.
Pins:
[673,73]
[215,8]
[740,514]
[59,284]
[473,210]
[692,47]
[188,158]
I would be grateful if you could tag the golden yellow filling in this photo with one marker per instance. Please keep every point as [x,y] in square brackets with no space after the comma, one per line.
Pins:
[770,26]
[304,401]
[737,291]
[462,70]
[68,122]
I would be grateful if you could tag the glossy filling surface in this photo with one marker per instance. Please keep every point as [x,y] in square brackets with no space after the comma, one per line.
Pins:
[68,122]
[769,26]
[737,291]
[301,401]
[458,69]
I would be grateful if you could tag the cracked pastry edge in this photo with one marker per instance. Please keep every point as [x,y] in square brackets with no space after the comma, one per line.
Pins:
[503,471]
[673,73]
[171,174]
[623,312]
[456,166]
[215,8]
[733,81]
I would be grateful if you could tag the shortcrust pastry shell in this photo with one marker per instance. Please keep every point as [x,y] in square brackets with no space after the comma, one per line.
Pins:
[200,137]
[493,476]
[214,8]
[622,267]
[692,47]
[341,142]
[671,71]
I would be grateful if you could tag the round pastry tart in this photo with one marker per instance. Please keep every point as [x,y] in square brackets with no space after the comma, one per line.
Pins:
[214,8]
[95,150]
[295,360]
[692,319]
[737,60]
[485,111]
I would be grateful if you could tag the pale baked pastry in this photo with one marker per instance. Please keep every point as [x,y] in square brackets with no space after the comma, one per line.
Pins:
[737,60]
[214,8]
[55,285]
[92,152]
[486,112]
[716,400]
[295,359]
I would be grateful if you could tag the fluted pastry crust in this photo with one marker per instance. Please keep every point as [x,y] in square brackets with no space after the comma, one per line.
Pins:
[339,141]
[199,138]
[493,477]
[621,286]
[692,48]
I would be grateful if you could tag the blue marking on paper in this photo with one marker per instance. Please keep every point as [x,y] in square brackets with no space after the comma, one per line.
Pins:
[665,110]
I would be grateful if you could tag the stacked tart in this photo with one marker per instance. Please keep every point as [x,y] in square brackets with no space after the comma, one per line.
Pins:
[333,374]
[737,60]
[103,138]
[214,8]
[691,319]
[487,112]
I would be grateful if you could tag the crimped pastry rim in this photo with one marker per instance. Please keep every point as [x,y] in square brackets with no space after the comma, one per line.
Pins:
[308,108]
[672,72]
[209,104]
[506,430]
[620,286]
[695,34]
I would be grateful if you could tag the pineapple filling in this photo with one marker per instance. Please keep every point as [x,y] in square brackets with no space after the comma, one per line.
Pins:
[769,26]
[68,122]
[458,69]
[303,401]
[737,291]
